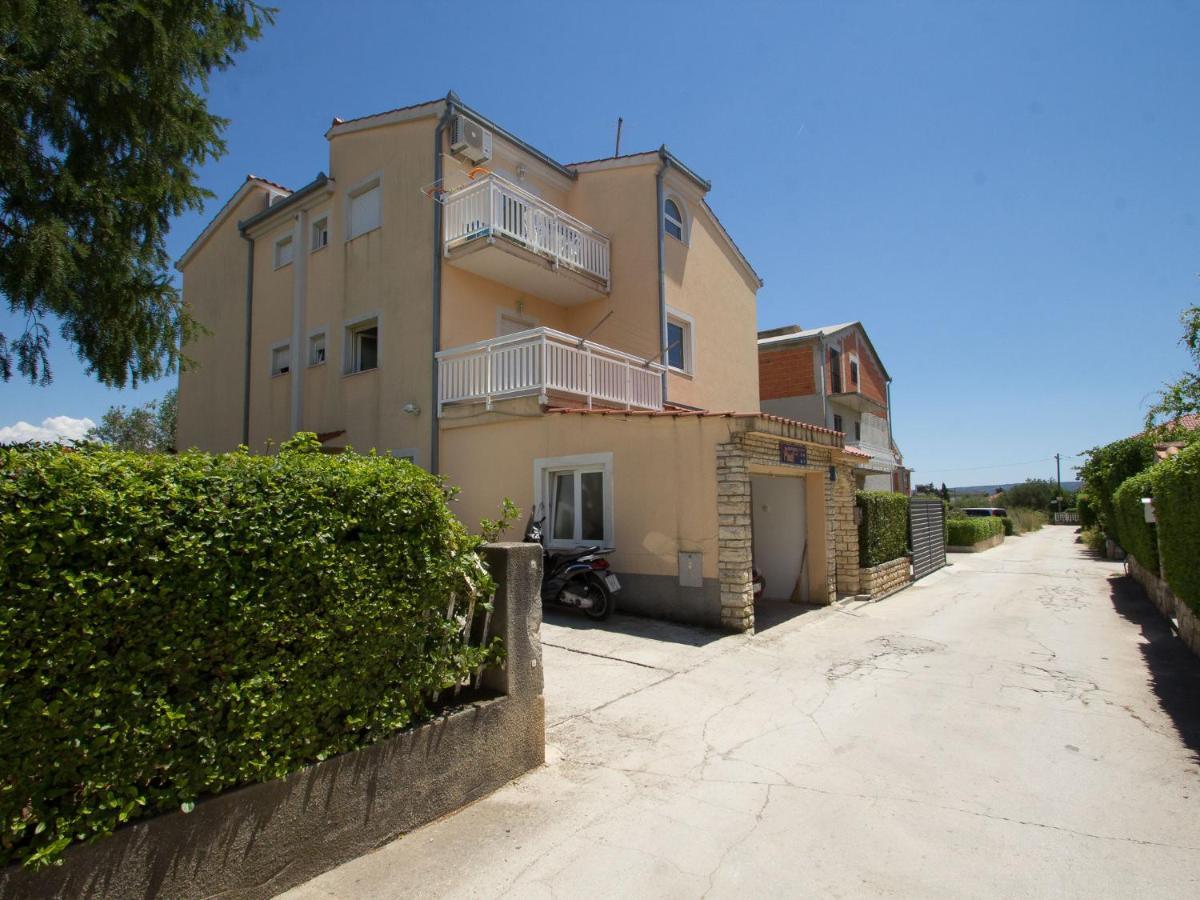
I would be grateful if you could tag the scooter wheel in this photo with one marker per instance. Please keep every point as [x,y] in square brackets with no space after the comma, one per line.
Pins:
[602,603]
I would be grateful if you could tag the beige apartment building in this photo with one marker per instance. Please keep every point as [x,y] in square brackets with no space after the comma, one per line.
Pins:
[578,338]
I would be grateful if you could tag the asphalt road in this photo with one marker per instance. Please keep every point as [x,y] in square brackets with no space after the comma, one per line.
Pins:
[1020,724]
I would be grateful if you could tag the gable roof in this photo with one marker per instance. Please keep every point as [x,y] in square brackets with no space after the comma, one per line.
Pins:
[251,182]
[772,338]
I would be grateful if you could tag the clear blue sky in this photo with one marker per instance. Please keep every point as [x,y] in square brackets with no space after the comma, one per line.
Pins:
[1006,194]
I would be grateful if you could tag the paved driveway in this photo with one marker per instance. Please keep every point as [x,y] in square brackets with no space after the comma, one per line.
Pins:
[1021,724]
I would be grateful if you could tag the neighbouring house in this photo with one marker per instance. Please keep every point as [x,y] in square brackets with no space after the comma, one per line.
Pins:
[579,338]
[832,377]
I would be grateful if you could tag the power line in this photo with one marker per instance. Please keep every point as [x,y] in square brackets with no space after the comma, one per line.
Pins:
[1028,462]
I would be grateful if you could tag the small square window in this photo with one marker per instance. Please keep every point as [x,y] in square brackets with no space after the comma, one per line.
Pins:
[284,250]
[316,349]
[837,423]
[281,359]
[362,346]
[320,233]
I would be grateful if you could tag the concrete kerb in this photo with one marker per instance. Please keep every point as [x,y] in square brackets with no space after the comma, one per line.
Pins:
[259,840]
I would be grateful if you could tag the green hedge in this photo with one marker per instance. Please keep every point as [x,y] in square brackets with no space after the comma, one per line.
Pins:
[965,532]
[1107,467]
[883,529]
[1087,511]
[174,626]
[1176,485]
[1009,528]
[1135,535]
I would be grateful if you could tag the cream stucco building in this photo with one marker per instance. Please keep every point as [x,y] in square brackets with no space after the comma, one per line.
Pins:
[579,338]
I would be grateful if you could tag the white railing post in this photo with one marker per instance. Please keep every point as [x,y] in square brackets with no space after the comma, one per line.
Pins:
[487,377]
[544,373]
[628,385]
[590,367]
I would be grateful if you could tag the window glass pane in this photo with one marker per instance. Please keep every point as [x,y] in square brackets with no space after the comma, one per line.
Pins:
[592,503]
[675,342]
[368,348]
[316,350]
[674,230]
[280,360]
[673,211]
[364,212]
[563,526]
[283,252]
[853,372]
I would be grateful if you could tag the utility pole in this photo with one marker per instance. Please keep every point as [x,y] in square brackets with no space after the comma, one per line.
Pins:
[1058,469]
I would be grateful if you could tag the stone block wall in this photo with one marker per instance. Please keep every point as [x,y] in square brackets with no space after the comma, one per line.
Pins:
[1187,623]
[735,533]
[885,578]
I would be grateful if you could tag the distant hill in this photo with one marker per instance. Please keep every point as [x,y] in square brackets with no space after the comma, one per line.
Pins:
[991,488]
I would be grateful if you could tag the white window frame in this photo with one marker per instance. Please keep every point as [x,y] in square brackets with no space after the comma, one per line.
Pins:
[682,222]
[322,333]
[370,183]
[352,327]
[313,245]
[679,317]
[544,470]
[275,348]
[282,241]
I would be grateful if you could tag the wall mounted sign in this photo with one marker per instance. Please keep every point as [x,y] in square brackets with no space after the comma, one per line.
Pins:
[793,454]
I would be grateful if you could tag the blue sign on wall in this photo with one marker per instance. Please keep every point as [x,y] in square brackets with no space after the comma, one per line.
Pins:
[793,454]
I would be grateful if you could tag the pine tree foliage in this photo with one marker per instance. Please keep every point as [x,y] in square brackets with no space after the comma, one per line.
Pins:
[1180,397]
[103,122]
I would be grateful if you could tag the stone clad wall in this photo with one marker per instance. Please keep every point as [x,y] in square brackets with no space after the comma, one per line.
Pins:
[1161,595]
[735,534]
[886,577]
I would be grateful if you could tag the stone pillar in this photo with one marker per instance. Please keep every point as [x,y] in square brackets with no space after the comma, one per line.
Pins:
[734,537]
[516,617]
[845,531]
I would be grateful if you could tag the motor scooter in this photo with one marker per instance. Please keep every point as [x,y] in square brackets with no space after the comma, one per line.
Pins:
[577,578]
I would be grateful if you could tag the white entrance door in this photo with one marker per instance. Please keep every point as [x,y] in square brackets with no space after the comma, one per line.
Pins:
[779,531]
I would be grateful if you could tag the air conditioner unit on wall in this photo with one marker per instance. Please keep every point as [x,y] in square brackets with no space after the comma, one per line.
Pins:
[470,140]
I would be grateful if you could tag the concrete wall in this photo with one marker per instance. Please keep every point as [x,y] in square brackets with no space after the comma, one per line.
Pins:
[1187,623]
[261,840]
[807,408]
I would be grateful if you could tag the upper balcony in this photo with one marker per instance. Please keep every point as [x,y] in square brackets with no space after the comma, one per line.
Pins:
[500,231]
[546,363]
[855,399]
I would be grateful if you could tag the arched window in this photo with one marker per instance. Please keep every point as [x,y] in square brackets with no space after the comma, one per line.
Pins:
[672,219]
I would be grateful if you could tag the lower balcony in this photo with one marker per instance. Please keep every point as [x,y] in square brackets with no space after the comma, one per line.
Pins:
[546,363]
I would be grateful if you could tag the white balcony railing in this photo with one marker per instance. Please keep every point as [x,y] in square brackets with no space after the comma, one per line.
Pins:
[492,205]
[542,360]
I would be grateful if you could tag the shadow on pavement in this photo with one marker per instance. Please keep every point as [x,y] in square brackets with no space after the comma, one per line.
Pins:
[1174,672]
[769,613]
[633,626]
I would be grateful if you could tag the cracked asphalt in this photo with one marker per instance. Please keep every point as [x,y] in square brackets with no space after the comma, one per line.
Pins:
[1022,723]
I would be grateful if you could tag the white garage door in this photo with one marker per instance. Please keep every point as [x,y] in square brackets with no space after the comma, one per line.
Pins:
[779,532]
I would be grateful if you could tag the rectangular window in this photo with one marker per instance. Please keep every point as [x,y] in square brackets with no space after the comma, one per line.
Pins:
[320,234]
[281,359]
[575,493]
[364,210]
[284,250]
[857,430]
[680,341]
[316,349]
[362,346]
[835,371]
[853,372]
[837,423]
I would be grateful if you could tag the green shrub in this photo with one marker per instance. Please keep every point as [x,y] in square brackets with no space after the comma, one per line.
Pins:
[1177,507]
[1026,520]
[965,532]
[1087,511]
[1133,533]
[1107,467]
[883,530]
[174,626]
[1009,528]
[1093,538]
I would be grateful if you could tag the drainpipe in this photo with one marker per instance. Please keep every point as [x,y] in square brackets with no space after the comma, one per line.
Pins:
[437,279]
[662,275]
[891,440]
[249,322]
[298,361]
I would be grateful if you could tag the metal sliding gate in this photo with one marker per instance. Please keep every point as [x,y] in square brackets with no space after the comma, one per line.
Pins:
[927,532]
